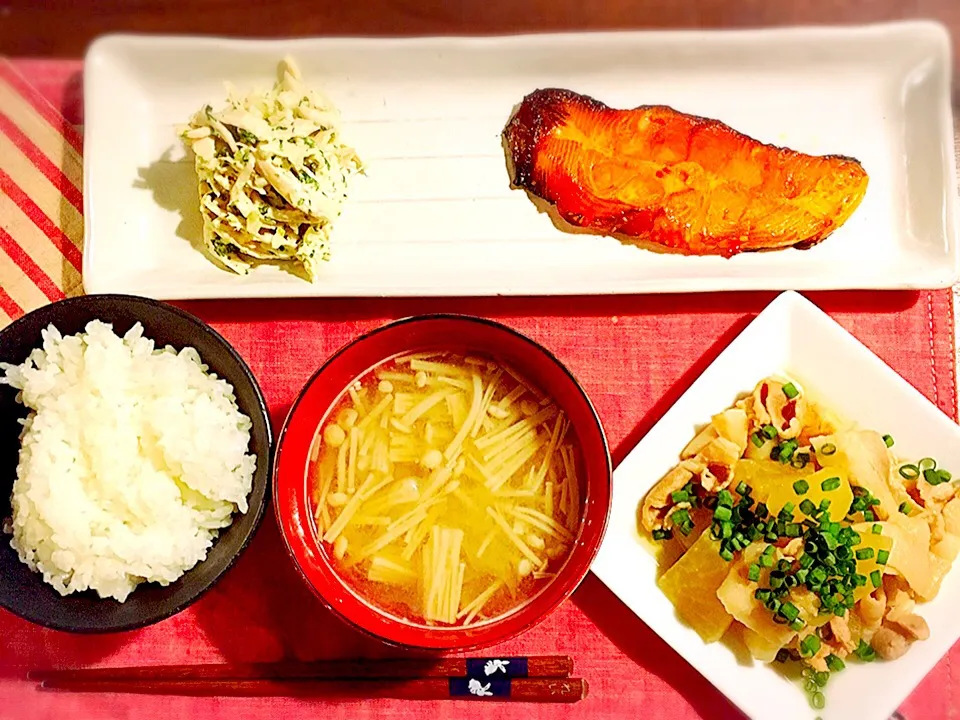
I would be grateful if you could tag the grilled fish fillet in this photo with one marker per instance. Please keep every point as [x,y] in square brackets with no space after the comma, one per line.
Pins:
[678,181]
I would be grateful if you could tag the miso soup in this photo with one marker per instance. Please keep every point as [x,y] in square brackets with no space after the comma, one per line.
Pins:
[446,488]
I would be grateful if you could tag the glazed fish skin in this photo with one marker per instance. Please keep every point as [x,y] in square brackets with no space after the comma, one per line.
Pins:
[682,182]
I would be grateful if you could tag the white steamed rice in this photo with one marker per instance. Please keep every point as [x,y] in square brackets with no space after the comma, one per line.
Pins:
[131,460]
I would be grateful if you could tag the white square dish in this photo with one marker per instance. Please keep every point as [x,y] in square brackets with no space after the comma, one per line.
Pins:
[436,215]
[795,337]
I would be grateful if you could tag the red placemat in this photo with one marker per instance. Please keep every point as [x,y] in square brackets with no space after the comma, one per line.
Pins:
[634,355]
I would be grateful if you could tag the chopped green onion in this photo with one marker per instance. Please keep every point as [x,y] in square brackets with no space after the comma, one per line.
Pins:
[662,534]
[757,440]
[726,555]
[834,663]
[830,484]
[927,463]
[875,578]
[864,553]
[868,516]
[679,496]
[790,390]
[791,530]
[680,516]
[818,701]
[769,431]
[790,611]
[754,573]
[882,557]
[876,529]
[725,498]
[909,471]
[743,489]
[787,448]
[888,440]
[766,561]
[722,513]
[787,511]
[828,449]
[905,507]
[797,625]
[865,652]
[800,487]
[810,645]
[762,594]
[800,460]
[936,477]
[807,507]
[825,504]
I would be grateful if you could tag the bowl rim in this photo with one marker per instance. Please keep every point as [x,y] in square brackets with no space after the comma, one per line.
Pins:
[261,408]
[589,551]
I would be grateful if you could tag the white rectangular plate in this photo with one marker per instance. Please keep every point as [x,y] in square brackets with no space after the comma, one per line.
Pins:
[436,214]
[795,337]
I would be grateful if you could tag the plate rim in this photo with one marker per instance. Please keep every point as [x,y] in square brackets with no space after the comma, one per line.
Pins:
[599,36]
[943,271]
[785,305]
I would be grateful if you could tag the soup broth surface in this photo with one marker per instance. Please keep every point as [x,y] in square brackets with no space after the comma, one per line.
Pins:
[446,488]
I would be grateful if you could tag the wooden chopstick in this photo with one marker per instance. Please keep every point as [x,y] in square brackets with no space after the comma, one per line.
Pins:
[550,690]
[516,679]
[546,666]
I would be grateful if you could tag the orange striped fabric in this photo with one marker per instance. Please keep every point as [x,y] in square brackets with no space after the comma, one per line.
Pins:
[41,200]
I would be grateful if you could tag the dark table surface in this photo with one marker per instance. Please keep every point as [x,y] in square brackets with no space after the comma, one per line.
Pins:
[63,28]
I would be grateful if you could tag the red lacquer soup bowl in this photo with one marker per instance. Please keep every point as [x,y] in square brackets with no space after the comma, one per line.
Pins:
[294,505]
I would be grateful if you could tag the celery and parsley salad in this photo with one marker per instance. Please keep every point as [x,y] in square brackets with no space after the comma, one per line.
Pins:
[274,175]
